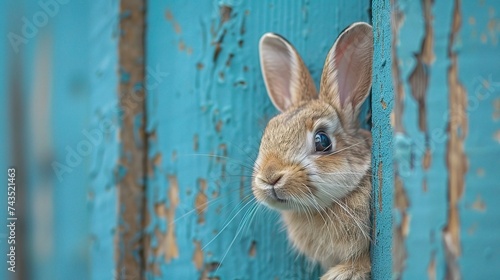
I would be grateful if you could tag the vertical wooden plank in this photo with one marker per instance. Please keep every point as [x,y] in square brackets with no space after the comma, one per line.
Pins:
[421,173]
[48,84]
[206,109]
[477,41]
[104,126]
[69,116]
[17,64]
[382,138]
[445,145]
[47,107]
[27,85]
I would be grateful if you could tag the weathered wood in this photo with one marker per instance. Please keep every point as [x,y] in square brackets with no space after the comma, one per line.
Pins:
[382,155]
[104,169]
[46,104]
[205,117]
[446,143]
[129,252]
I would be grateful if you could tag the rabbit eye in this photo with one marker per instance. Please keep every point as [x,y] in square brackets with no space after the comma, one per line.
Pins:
[322,142]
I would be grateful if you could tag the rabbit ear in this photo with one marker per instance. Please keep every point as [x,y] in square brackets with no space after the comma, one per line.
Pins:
[287,79]
[347,75]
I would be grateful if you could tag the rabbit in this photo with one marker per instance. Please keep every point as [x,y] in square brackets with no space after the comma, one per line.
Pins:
[314,161]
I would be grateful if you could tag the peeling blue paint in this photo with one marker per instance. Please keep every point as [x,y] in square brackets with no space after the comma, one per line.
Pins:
[481,243]
[382,157]
[425,177]
[215,90]
[206,108]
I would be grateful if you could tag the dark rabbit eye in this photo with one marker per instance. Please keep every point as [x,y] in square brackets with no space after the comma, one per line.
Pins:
[322,142]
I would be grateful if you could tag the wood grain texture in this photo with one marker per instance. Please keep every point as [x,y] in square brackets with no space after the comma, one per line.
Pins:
[382,138]
[204,120]
[445,184]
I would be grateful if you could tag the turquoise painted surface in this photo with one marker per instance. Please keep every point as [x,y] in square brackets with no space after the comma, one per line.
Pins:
[481,243]
[52,65]
[104,124]
[205,115]
[426,181]
[70,116]
[206,108]
[382,139]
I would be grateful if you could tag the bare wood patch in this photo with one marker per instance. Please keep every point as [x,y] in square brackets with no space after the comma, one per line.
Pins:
[201,200]
[198,255]
[456,158]
[129,239]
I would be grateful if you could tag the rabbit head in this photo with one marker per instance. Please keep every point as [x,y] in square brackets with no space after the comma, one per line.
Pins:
[314,152]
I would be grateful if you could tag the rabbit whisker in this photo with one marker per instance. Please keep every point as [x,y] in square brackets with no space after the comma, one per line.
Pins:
[234,239]
[228,223]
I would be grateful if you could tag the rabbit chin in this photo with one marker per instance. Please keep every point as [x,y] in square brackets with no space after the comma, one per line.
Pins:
[269,201]
[288,204]
[278,205]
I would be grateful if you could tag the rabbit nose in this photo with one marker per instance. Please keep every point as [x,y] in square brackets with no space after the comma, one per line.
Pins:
[274,179]
[276,191]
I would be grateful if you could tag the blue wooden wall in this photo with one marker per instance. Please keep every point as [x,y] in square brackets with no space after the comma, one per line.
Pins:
[205,118]
[382,140]
[446,129]
[45,106]
[73,95]
[104,107]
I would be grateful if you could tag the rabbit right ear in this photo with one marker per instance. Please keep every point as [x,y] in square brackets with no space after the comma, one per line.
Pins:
[287,79]
[347,75]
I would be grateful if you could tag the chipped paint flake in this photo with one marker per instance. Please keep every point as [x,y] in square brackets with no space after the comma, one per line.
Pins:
[480,172]
[427,159]
[157,160]
[196,143]
[479,205]
[496,136]
[201,200]
[176,25]
[419,78]
[383,103]
[198,255]
[253,249]
[225,13]
[401,230]
[170,248]
[496,109]
[431,269]
[218,126]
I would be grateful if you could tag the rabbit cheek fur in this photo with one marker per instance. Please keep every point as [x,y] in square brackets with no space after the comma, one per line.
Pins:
[323,196]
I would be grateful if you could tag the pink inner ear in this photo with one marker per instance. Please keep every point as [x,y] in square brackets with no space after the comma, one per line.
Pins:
[277,62]
[348,68]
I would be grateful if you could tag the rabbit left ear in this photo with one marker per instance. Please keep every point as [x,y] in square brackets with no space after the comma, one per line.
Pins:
[347,74]
[287,79]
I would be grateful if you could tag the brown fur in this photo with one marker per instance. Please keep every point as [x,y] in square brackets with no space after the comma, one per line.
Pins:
[324,197]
